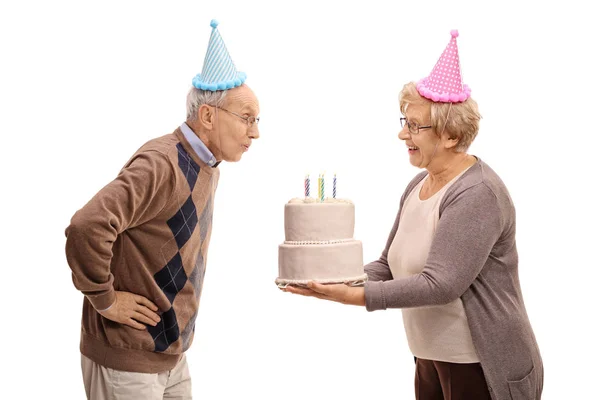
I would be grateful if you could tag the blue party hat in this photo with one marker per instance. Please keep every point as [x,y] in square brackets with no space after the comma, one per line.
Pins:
[219,72]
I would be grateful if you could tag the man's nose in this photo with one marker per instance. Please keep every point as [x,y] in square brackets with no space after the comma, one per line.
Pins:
[253,132]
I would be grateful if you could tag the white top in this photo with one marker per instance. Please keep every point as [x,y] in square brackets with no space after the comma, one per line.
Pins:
[439,333]
[307,221]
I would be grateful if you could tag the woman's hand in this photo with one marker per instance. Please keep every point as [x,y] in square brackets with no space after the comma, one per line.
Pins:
[339,292]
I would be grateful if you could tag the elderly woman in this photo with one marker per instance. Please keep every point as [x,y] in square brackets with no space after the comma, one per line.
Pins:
[450,262]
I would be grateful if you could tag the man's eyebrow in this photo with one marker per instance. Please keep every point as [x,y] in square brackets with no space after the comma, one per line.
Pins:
[250,109]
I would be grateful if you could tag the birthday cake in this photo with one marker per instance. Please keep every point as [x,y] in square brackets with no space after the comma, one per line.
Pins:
[319,244]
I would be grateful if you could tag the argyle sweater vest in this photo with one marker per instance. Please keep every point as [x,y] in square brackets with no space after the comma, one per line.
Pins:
[147,232]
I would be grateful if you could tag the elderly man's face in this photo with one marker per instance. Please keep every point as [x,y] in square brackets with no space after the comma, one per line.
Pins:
[234,134]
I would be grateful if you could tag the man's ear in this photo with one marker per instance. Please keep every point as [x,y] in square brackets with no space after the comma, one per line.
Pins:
[206,116]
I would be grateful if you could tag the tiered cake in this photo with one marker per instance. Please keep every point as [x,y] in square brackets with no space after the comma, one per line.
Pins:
[319,244]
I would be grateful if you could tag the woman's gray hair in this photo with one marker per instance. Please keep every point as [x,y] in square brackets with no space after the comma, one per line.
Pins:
[459,120]
[197,97]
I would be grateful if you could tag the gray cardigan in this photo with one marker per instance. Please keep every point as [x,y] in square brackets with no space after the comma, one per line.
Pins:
[473,256]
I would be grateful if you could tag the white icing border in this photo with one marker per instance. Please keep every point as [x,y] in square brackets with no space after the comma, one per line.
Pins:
[312,200]
[303,242]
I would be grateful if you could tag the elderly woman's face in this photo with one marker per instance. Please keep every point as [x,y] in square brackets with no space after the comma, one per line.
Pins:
[421,146]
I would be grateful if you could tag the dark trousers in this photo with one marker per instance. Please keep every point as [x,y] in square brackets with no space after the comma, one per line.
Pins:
[438,380]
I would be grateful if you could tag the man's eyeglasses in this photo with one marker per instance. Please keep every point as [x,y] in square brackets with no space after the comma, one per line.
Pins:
[250,121]
[412,128]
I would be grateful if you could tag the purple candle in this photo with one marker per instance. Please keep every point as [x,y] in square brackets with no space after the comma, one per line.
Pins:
[307,186]
[334,186]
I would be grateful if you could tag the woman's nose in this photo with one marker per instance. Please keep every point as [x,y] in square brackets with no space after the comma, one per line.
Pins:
[403,134]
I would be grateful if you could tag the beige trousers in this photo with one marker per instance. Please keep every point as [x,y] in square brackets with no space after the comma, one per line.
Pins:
[103,383]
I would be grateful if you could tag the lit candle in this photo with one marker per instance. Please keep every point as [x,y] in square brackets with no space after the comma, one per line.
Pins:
[334,186]
[307,186]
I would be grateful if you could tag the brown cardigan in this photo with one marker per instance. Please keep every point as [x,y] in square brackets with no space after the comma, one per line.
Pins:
[473,256]
[146,232]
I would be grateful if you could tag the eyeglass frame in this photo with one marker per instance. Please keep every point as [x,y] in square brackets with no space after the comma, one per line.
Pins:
[250,121]
[404,121]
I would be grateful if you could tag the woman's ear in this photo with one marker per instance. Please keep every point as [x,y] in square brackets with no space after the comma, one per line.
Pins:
[450,141]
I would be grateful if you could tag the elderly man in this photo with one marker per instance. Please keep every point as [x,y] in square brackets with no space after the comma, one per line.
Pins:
[138,248]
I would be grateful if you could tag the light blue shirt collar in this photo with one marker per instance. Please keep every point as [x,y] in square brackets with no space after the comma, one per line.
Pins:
[199,147]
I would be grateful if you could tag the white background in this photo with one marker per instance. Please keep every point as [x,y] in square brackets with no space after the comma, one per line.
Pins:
[84,84]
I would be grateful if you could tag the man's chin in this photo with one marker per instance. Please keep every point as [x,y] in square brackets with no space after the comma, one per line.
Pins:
[234,158]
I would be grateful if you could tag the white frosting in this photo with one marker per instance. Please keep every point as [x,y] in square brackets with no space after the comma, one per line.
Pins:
[302,242]
[311,200]
[319,221]
[319,242]
[332,262]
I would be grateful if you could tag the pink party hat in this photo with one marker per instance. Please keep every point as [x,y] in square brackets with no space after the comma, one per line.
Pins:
[444,83]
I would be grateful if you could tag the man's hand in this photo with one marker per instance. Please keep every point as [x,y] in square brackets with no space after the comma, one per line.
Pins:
[340,293]
[130,308]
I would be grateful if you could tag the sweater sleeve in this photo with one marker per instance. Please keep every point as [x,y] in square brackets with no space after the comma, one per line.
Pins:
[140,191]
[468,229]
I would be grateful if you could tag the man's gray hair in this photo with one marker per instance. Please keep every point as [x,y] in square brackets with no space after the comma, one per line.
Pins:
[197,97]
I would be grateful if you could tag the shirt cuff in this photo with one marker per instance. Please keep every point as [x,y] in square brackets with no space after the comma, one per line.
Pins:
[103,301]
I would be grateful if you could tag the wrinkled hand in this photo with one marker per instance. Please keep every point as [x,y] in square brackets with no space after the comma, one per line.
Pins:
[131,309]
[340,293]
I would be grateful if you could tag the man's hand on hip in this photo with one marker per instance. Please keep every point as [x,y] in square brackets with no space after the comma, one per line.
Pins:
[131,309]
